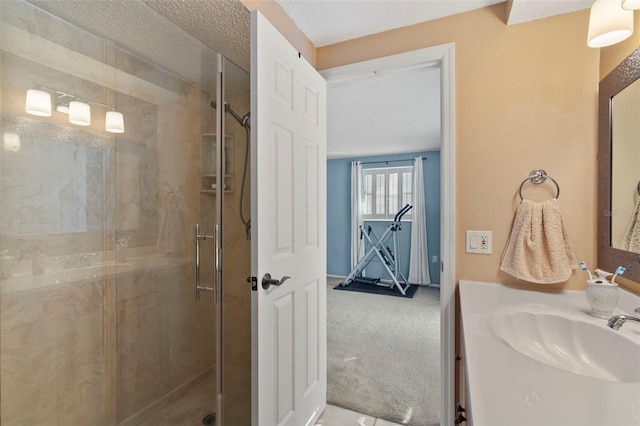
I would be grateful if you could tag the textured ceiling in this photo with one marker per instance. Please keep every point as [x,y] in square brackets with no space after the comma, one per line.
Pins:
[169,33]
[530,10]
[222,25]
[391,113]
[327,22]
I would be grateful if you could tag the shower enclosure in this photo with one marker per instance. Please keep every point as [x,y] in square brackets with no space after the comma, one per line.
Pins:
[99,319]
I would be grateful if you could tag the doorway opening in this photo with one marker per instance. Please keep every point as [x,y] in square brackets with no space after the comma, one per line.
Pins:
[438,60]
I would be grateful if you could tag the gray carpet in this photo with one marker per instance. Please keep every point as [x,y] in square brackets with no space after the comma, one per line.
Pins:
[383,354]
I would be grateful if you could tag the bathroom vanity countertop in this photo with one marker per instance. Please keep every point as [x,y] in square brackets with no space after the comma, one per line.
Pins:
[507,387]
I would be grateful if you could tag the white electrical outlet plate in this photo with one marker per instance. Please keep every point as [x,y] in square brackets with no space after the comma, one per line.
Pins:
[478,242]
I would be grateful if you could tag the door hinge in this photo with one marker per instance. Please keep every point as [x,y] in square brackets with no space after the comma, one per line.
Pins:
[254,283]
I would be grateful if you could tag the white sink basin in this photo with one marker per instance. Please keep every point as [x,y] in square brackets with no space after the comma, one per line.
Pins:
[570,344]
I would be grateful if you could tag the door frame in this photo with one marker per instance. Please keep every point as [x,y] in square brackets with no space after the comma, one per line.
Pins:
[443,56]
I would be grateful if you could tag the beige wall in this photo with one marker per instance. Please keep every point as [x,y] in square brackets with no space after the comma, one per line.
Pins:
[526,98]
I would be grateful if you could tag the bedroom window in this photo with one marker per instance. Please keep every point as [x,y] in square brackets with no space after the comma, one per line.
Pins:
[386,191]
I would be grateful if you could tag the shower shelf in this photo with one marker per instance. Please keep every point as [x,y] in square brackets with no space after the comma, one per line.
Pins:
[208,167]
[213,175]
[209,179]
[214,191]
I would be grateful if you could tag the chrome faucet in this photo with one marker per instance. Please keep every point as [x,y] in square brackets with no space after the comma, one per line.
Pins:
[616,321]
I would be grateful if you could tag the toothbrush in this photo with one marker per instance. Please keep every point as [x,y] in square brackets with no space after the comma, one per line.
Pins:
[584,268]
[618,272]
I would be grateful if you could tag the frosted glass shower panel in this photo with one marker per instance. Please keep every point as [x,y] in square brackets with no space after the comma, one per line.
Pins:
[128,184]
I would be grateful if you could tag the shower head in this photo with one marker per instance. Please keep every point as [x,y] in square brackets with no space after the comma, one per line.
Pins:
[214,105]
[243,121]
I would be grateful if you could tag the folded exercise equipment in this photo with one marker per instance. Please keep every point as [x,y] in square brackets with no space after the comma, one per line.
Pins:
[378,249]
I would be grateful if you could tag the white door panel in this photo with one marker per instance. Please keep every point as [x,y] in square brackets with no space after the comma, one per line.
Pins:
[288,231]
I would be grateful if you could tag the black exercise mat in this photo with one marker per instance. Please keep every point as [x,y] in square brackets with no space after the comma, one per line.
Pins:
[376,289]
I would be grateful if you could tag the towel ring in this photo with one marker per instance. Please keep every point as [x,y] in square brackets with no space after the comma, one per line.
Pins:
[539,176]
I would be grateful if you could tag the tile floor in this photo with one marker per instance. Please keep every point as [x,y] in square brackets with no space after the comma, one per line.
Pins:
[337,416]
[190,408]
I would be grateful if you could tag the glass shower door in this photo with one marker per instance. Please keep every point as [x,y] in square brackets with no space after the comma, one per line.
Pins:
[99,321]
[236,248]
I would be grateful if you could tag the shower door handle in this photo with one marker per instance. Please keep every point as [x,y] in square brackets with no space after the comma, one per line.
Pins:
[267,281]
[217,269]
[197,238]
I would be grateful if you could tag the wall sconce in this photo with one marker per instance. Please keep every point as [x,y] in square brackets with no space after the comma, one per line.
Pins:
[609,23]
[38,103]
[79,113]
[114,122]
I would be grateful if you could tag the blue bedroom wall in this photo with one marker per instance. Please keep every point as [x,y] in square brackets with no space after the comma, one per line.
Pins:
[339,215]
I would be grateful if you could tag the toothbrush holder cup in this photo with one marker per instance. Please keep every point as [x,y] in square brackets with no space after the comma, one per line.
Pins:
[602,296]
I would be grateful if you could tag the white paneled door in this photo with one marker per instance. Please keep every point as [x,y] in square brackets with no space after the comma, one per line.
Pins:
[288,215]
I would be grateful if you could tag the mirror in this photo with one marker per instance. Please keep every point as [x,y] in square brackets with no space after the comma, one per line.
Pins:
[43,201]
[60,197]
[619,169]
[625,176]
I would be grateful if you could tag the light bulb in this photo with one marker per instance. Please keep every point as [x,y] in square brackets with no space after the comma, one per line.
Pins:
[79,113]
[114,122]
[609,23]
[38,103]
[631,4]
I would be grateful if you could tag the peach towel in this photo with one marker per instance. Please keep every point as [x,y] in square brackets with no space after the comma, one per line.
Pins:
[539,249]
[631,240]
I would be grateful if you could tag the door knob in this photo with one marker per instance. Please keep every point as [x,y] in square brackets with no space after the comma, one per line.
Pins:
[267,281]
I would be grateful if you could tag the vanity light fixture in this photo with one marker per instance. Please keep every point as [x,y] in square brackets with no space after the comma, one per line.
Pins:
[38,103]
[79,113]
[609,23]
[62,102]
[114,122]
[631,4]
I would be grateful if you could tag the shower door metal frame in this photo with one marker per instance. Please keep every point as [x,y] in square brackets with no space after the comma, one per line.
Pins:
[218,236]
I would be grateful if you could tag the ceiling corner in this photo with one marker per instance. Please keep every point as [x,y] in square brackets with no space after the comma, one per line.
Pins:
[521,11]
